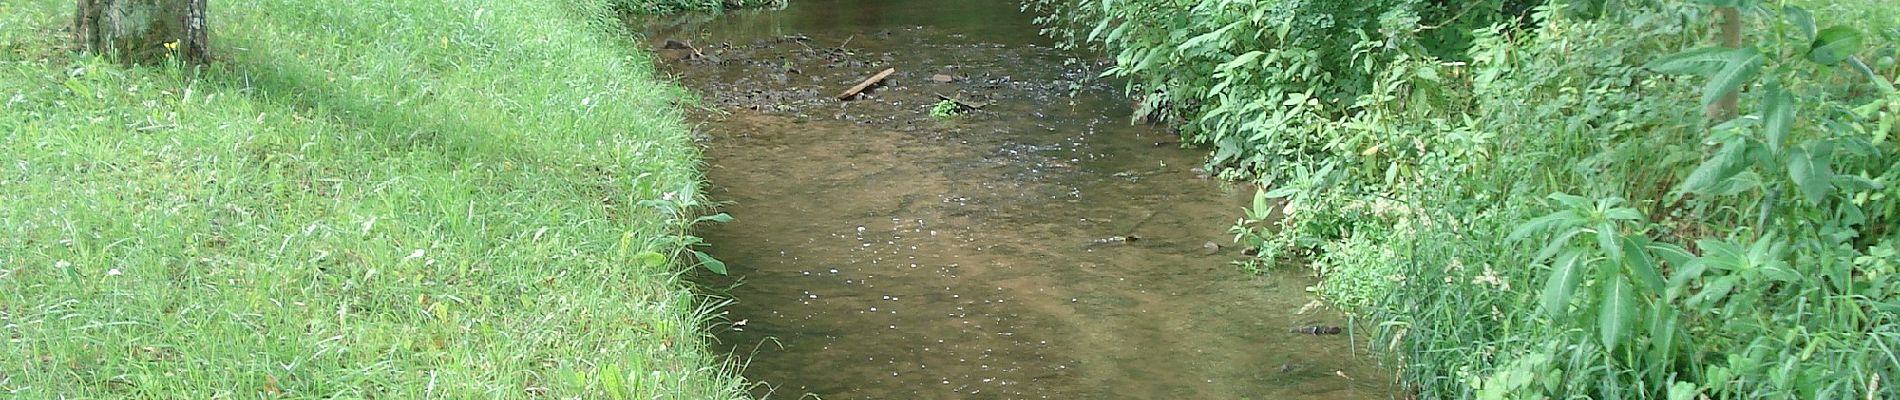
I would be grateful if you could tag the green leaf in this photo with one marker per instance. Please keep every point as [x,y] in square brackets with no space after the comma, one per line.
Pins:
[1724,165]
[1664,325]
[1809,168]
[1670,253]
[1683,391]
[1833,45]
[1641,267]
[1721,254]
[1679,282]
[1607,241]
[1574,201]
[1801,18]
[720,218]
[711,264]
[650,259]
[1565,275]
[1779,108]
[1623,214]
[1714,292]
[1697,61]
[1556,244]
[1741,66]
[1617,313]
[1540,224]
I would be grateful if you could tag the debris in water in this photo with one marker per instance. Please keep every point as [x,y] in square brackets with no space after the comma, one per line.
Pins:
[1210,248]
[1116,239]
[868,82]
[1317,330]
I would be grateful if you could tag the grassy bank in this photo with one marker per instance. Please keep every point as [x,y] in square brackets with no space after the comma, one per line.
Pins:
[419,199]
[1538,207]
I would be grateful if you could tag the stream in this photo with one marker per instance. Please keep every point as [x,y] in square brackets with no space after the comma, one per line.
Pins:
[1037,246]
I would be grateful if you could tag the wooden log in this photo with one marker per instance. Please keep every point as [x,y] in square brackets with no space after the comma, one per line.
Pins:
[873,80]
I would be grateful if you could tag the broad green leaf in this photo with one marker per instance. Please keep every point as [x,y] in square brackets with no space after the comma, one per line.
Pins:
[1556,244]
[1617,312]
[1280,192]
[1780,273]
[1697,61]
[720,218]
[650,259]
[1742,65]
[711,264]
[1714,292]
[1608,242]
[1722,255]
[1623,214]
[1801,18]
[1808,166]
[1540,224]
[1565,275]
[1679,282]
[1663,324]
[1670,253]
[1574,201]
[1242,60]
[1779,118]
[1834,44]
[1641,268]
[1724,165]
[1880,82]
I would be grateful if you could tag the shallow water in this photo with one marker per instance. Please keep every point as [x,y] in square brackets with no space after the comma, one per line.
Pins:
[882,254]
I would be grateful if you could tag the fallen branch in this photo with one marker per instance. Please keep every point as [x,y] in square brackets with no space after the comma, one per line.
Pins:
[848,94]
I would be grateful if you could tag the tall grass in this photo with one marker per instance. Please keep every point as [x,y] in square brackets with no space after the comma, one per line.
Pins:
[416,199]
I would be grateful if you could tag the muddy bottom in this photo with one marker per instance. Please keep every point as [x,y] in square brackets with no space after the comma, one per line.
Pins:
[1039,246]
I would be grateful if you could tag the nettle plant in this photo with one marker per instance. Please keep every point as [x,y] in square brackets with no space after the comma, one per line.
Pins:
[1800,189]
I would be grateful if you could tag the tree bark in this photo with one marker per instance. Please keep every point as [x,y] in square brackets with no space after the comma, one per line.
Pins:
[143,31]
[1731,37]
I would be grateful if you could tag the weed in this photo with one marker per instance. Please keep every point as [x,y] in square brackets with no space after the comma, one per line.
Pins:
[1541,209]
[945,110]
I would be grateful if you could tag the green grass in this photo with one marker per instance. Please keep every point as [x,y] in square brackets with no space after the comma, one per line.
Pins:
[438,198]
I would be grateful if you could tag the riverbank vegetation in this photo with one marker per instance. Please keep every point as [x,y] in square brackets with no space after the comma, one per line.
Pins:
[673,6]
[1605,199]
[418,199]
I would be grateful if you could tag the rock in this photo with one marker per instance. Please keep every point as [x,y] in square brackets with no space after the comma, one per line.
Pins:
[675,44]
[1209,248]
[942,78]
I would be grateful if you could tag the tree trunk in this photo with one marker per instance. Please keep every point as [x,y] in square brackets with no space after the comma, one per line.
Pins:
[143,31]
[1731,37]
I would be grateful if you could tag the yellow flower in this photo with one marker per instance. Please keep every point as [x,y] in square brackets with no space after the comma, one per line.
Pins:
[172,45]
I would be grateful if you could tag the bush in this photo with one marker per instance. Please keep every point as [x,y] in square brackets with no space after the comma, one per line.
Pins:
[1541,210]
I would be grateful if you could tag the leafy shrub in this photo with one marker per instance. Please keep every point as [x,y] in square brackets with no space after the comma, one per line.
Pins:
[1540,209]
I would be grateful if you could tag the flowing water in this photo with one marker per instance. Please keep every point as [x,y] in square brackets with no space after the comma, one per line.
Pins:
[1041,246]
